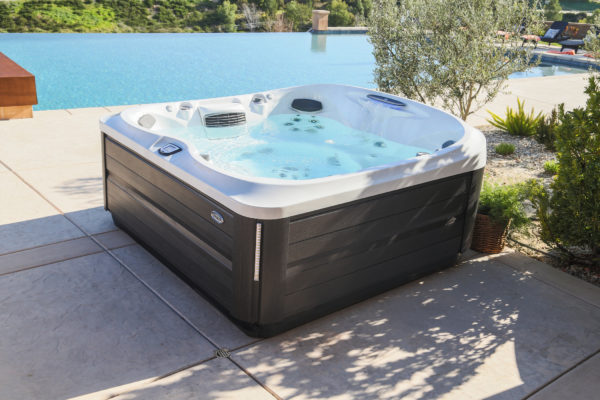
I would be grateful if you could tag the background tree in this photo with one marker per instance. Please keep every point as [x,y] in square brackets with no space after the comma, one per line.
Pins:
[447,52]
[298,14]
[252,15]
[552,10]
[225,16]
[360,8]
[339,14]
[592,40]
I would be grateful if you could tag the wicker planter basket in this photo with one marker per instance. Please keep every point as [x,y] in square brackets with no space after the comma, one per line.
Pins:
[488,237]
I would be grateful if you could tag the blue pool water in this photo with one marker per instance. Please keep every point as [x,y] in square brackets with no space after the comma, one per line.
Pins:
[293,146]
[546,69]
[86,70]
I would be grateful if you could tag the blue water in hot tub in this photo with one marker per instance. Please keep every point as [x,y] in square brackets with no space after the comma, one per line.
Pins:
[295,147]
[89,70]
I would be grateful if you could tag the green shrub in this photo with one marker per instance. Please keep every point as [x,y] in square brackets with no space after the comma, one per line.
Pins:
[339,14]
[574,16]
[503,203]
[546,129]
[517,123]
[552,10]
[298,14]
[505,149]
[551,167]
[592,39]
[570,213]
[225,16]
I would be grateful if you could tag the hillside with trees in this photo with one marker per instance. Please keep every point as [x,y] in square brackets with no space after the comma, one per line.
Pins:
[174,15]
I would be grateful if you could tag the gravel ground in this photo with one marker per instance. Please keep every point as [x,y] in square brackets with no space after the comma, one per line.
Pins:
[527,162]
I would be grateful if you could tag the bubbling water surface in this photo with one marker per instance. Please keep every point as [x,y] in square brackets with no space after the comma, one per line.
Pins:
[294,146]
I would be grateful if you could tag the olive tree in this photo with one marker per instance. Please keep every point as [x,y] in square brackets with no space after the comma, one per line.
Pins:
[592,40]
[450,52]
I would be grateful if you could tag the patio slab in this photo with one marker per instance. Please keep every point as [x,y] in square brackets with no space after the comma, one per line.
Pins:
[93,221]
[206,318]
[51,138]
[549,275]
[115,239]
[479,330]
[217,379]
[580,383]
[541,93]
[48,254]
[87,327]
[73,188]
[27,220]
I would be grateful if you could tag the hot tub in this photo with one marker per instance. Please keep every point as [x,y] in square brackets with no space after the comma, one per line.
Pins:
[288,204]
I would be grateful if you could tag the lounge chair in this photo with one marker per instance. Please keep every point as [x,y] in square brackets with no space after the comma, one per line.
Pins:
[575,44]
[554,34]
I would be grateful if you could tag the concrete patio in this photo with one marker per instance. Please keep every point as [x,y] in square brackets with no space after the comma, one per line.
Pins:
[86,313]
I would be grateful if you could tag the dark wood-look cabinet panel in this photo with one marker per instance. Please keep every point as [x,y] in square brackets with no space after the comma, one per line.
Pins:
[176,246]
[364,233]
[201,204]
[189,218]
[375,208]
[351,259]
[375,278]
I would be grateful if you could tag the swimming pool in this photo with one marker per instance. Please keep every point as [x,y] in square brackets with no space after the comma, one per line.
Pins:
[87,70]
[547,69]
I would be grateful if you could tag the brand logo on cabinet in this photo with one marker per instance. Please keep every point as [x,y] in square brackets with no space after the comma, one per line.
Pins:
[218,218]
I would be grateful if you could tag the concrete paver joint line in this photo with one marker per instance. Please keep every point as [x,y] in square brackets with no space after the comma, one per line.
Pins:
[537,277]
[556,378]
[255,379]
[38,246]
[49,263]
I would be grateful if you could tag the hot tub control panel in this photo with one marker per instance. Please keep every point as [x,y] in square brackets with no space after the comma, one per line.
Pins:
[169,149]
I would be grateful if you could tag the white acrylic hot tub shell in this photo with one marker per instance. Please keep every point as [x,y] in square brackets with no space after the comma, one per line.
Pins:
[266,198]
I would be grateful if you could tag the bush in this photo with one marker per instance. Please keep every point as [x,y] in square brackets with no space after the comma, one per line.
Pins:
[503,203]
[574,17]
[505,149]
[361,8]
[517,123]
[592,40]
[225,16]
[551,167]
[545,132]
[339,14]
[570,213]
[552,10]
[298,15]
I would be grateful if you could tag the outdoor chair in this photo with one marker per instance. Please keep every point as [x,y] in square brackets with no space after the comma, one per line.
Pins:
[575,44]
[554,34]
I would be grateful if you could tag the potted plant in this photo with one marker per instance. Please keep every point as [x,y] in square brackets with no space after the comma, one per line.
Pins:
[500,209]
